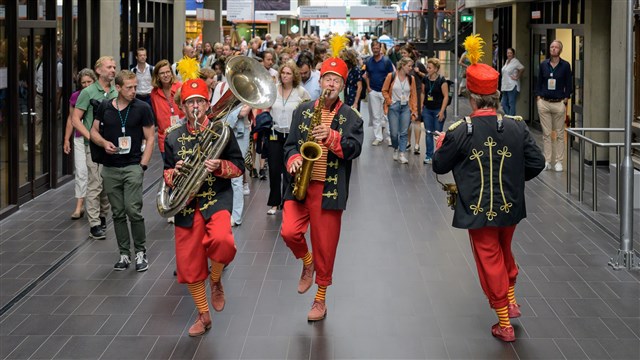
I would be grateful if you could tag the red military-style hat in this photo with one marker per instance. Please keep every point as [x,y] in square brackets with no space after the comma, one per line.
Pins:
[194,88]
[482,79]
[335,66]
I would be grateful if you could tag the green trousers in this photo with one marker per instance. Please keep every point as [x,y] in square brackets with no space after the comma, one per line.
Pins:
[123,186]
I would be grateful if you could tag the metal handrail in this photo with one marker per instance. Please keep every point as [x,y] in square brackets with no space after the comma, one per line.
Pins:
[580,134]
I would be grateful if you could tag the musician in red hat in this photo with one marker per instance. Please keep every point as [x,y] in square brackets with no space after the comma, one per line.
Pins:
[340,136]
[203,227]
[491,158]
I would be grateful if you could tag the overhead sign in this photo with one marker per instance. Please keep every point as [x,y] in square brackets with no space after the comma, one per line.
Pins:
[536,14]
[240,10]
[322,12]
[259,17]
[377,12]
[205,15]
[466,18]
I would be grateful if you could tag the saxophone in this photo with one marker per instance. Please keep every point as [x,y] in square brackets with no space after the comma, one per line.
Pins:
[310,152]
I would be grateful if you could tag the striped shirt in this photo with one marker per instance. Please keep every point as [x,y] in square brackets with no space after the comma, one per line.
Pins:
[320,166]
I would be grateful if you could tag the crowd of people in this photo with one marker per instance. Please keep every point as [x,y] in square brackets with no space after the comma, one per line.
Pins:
[320,83]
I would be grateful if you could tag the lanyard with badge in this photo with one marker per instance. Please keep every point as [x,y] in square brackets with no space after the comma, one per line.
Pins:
[173,118]
[431,85]
[124,141]
[273,136]
[551,82]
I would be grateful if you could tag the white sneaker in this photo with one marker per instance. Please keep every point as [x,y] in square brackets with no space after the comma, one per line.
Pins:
[388,141]
[245,189]
[376,142]
[558,167]
[547,166]
[395,155]
[403,158]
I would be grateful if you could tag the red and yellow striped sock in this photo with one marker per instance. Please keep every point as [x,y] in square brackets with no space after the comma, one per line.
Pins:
[321,293]
[511,294]
[216,271]
[307,259]
[503,316]
[199,294]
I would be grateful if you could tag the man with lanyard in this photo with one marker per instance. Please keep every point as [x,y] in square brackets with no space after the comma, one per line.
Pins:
[490,200]
[203,226]
[340,137]
[143,73]
[310,77]
[96,201]
[555,85]
[377,68]
[121,126]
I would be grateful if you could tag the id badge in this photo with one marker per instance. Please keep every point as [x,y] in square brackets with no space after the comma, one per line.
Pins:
[273,137]
[429,98]
[174,119]
[124,144]
[551,84]
[403,100]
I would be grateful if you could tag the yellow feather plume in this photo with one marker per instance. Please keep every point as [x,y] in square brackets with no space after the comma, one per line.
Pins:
[473,44]
[337,43]
[188,68]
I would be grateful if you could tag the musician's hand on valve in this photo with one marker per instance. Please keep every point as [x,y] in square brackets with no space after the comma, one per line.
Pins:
[179,166]
[295,165]
[212,164]
[321,132]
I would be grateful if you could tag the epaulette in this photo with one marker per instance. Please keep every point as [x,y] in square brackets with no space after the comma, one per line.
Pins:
[516,117]
[171,128]
[357,112]
[455,125]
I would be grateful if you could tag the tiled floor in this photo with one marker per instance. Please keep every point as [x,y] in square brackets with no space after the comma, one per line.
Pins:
[405,284]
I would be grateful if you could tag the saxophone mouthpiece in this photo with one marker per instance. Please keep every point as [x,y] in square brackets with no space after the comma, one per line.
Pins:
[196,112]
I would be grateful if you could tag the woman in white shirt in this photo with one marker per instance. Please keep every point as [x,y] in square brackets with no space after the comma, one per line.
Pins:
[511,72]
[290,95]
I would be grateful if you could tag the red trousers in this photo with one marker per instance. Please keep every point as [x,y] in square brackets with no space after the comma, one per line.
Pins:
[206,239]
[497,269]
[325,231]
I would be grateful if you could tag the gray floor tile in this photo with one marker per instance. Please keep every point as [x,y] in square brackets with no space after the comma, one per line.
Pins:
[84,347]
[129,347]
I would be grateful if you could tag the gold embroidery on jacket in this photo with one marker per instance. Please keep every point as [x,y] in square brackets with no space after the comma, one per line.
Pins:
[184,138]
[475,155]
[333,164]
[490,144]
[331,194]
[332,179]
[184,152]
[505,154]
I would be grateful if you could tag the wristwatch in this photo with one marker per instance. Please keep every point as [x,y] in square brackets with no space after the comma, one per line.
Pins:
[144,167]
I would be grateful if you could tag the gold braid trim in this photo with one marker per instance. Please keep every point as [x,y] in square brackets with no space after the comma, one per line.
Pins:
[455,125]
[490,144]
[504,152]
[476,155]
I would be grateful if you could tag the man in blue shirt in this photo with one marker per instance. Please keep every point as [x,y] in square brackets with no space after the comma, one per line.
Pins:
[377,68]
[555,84]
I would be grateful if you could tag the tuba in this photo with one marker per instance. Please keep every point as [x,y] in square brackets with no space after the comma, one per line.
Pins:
[250,83]
[310,152]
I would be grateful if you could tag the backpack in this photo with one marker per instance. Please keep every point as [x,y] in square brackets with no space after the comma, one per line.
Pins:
[452,86]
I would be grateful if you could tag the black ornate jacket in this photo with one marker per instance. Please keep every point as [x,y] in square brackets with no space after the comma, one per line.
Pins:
[344,144]
[491,159]
[216,193]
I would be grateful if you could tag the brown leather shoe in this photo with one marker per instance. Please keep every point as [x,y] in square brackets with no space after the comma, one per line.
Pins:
[202,324]
[217,296]
[306,278]
[318,311]
[514,311]
[503,333]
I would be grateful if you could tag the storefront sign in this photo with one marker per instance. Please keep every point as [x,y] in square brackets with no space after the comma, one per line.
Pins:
[205,15]
[376,12]
[322,12]
[536,14]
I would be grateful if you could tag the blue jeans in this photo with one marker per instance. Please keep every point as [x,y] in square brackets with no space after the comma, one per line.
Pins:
[440,25]
[509,101]
[399,120]
[431,123]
